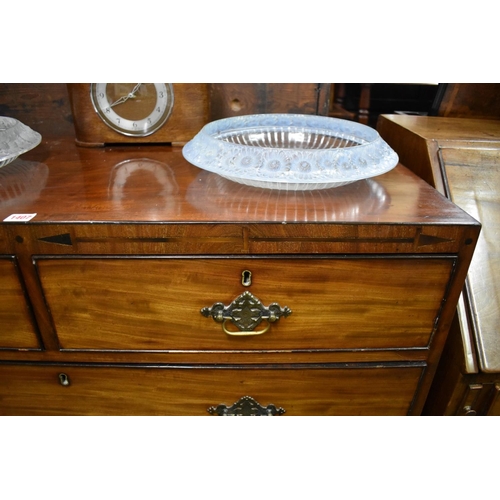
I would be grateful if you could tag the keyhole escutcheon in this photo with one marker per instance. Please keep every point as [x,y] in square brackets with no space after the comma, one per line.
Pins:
[246,278]
[63,379]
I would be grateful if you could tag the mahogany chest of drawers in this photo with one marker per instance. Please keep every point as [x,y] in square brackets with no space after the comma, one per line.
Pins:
[146,286]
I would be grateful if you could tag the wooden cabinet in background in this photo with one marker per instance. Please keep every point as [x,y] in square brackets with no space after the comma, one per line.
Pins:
[461,157]
[467,100]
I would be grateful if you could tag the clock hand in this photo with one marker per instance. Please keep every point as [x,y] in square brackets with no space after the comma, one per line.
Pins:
[135,89]
[119,101]
[127,97]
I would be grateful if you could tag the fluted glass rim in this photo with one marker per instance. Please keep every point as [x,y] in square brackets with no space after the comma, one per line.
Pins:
[299,167]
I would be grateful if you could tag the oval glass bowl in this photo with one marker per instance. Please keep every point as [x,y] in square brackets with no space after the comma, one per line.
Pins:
[15,139]
[290,152]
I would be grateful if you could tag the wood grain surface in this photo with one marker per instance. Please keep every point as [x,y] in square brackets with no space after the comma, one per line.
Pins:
[336,303]
[299,390]
[17,330]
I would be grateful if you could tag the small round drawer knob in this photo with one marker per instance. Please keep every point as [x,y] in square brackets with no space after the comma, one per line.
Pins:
[469,412]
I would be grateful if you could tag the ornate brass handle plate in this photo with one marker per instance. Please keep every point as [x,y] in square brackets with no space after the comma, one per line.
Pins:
[246,312]
[245,407]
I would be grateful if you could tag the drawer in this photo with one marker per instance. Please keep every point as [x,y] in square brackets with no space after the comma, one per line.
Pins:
[155,303]
[299,390]
[17,329]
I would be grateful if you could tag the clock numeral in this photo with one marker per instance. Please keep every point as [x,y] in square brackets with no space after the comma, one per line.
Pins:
[101,96]
[161,94]
[158,109]
[118,120]
[108,110]
[134,125]
[149,121]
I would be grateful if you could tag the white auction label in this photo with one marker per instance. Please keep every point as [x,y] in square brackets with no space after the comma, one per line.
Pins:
[19,217]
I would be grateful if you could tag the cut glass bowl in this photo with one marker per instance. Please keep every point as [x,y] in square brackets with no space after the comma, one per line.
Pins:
[15,139]
[289,151]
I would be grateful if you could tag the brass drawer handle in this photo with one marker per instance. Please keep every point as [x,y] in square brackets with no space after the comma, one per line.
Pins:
[243,333]
[245,407]
[246,312]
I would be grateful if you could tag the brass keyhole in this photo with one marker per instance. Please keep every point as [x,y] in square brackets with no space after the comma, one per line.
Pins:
[63,379]
[246,278]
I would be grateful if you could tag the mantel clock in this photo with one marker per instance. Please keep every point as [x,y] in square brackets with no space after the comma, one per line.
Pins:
[124,113]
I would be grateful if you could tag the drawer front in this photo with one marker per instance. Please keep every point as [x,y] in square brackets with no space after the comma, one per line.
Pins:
[325,390]
[17,330]
[155,303]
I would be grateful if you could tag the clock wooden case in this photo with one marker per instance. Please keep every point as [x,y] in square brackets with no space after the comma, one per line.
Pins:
[189,114]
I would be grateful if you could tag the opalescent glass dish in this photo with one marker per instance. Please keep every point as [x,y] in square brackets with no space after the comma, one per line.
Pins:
[15,139]
[291,152]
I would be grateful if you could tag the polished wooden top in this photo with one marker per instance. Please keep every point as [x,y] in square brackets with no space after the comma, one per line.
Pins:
[62,182]
[449,129]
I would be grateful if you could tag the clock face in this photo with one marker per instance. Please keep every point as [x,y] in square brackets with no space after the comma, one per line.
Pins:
[133,109]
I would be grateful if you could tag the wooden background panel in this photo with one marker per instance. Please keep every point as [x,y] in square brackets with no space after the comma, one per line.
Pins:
[235,99]
[472,100]
[42,106]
